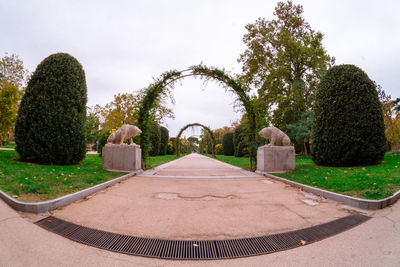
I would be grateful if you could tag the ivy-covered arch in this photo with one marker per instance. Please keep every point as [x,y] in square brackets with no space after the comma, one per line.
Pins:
[178,143]
[167,80]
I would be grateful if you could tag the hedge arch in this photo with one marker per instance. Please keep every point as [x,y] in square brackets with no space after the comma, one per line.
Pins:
[178,143]
[167,80]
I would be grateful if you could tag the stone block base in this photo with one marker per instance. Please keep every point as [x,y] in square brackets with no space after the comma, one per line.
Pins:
[275,159]
[122,158]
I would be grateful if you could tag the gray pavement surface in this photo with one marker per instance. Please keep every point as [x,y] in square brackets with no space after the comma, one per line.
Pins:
[167,207]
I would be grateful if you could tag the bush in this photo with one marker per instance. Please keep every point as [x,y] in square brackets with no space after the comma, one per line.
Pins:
[164,140]
[239,142]
[102,142]
[170,148]
[155,139]
[50,126]
[227,144]
[348,126]
[218,149]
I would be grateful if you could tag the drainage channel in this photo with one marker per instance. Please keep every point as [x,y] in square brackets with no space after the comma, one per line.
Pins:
[199,249]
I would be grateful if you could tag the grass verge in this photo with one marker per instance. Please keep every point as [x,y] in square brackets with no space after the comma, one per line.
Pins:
[9,144]
[242,162]
[159,160]
[368,182]
[32,183]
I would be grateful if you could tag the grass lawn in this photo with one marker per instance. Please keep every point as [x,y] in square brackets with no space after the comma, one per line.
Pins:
[9,144]
[369,182]
[33,183]
[242,162]
[159,160]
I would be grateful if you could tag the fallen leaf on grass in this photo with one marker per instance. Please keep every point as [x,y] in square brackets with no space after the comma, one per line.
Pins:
[14,196]
[303,242]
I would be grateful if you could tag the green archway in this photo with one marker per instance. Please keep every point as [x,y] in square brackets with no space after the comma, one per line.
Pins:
[178,143]
[167,80]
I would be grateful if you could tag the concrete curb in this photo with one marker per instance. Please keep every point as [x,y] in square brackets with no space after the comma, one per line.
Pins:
[351,201]
[44,206]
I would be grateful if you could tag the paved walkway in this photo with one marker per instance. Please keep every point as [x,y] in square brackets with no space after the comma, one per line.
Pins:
[157,204]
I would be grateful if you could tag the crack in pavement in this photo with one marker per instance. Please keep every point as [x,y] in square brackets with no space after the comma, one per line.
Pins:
[172,196]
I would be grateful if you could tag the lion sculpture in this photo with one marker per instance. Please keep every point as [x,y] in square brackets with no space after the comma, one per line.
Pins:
[275,136]
[124,133]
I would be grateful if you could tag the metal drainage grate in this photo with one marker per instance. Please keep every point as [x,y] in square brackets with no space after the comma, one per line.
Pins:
[201,249]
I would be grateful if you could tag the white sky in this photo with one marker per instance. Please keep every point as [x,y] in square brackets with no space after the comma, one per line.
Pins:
[123,45]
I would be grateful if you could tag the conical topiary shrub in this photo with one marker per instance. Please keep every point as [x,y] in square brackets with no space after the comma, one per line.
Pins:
[50,125]
[348,127]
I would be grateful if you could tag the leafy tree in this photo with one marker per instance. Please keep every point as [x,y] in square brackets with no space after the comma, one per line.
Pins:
[300,131]
[164,140]
[284,61]
[92,126]
[12,81]
[219,133]
[50,125]
[12,70]
[391,118]
[8,107]
[348,127]
[124,109]
[227,144]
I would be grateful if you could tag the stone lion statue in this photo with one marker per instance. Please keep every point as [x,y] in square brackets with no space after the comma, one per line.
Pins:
[124,133]
[275,136]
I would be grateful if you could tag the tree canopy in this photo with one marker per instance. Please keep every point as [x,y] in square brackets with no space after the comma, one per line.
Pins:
[124,109]
[13,77]
[284,60]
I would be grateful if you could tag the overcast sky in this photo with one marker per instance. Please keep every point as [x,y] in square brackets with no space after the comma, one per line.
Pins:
[123,45]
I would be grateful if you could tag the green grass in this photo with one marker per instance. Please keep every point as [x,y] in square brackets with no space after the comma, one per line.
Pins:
[159,160]
[32,182]
[242,162]
[9,144]
[369,182]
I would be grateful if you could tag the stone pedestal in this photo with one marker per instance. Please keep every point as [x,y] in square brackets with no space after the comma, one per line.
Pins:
[275,159]
[122,158]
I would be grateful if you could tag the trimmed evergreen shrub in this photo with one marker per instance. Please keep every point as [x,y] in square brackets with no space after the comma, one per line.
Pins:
[155,139]
[102,142]
[348,127]
[50,125]
[239,142]
[164,140]
[227,144]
